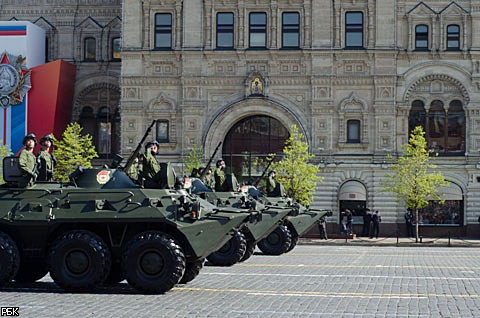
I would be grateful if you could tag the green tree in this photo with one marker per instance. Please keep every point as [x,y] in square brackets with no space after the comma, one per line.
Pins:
[73,150]
[4,152]
[298,177]
[412,180]
[194,158]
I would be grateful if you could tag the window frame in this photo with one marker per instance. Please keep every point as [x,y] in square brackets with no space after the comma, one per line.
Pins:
[354,28]
[290,28]
[113,51]
[257,29]
[162,137]
[351,123]
[225,29]
[86,46]
[422,36]
[453,36]
[160,29]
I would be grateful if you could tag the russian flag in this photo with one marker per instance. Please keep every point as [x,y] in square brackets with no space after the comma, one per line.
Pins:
[15,30]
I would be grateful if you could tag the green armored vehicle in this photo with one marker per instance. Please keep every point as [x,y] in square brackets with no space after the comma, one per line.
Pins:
[242,244]
[102,225]
[300,220]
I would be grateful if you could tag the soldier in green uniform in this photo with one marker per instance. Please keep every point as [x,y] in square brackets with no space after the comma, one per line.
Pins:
[150,165]
[27,162]
[208,178]
[46,161]
[219,176]
[134,171]
[274,188]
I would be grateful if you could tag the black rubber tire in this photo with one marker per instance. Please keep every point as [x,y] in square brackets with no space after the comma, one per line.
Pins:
[277,242]
[249,250]
[192,269]
[293,244]
[163,256]
[231,252]
[31,270]
[9,259]
[79,261]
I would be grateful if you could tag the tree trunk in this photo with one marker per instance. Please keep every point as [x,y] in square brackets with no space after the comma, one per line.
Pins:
[416,225]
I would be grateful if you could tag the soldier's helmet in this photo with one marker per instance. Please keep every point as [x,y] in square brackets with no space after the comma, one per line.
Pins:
[151,143]
[219,162]
[30,136]
[46,137]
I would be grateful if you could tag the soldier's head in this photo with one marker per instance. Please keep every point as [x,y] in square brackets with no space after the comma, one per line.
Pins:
[46,141]
[221,164]
[272,173]
[29,141]
[152,146]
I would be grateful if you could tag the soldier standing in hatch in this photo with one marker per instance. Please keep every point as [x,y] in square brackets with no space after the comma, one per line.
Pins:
[27,162]
[208,178]
[46,161]
[219,176]
[150,165]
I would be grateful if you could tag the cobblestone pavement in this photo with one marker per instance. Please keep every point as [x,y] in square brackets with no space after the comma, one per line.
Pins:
[310,281]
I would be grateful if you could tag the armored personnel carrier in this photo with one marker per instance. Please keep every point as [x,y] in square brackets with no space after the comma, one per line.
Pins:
[103,225]
[299,221]
[242,244]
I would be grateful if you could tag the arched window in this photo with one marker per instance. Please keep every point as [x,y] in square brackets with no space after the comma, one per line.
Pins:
[453,37]
[249,142]
[89,49]
[421,37]
[444,126]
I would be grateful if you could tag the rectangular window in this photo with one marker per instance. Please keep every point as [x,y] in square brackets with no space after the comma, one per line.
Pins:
[105,138]
[116,49]
[421,37]
[258,30]
[354,30]
[225,33]
[290,30]
[163,31]
[90,49]
[162,131]
[353,131]
[453,38]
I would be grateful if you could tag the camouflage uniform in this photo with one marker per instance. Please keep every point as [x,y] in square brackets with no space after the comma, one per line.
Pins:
[27,164]
[46,163]
[150,170]
[220,179]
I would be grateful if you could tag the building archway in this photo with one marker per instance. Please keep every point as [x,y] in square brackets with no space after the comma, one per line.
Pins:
[249,142]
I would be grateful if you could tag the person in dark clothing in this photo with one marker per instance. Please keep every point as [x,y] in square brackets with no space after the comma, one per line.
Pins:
[376,219]
[367,218]
[322,228]
[409,222]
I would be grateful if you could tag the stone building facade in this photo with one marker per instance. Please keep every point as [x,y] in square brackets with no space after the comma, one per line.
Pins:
[354,75]
[86,33]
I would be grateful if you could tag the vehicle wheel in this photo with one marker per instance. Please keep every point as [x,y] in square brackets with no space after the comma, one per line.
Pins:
[192,269]
[277,242]
[115,275]
[153,263]
[79,261]
[293,244]
[231,252]
[9,259]
[31,271]
[249,250]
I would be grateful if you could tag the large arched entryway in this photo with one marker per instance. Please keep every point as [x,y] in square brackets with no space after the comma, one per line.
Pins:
[248,143]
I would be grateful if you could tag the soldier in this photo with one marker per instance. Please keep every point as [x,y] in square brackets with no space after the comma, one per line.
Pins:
[46,161]
[27,162]
[151,167]
[134,170]
[219,176]
[208,178]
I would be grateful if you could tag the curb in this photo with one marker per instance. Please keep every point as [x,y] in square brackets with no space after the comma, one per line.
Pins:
[401,242]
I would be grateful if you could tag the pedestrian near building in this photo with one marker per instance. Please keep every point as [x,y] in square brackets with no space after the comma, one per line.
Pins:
[376,219]
[322,228]
[27,162]
[367,219]
[409,222]
[46,161]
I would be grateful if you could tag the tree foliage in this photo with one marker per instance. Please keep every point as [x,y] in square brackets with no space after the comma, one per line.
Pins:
[4,152]
[412,179]
[298,177]
[73,150]
[194,158]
